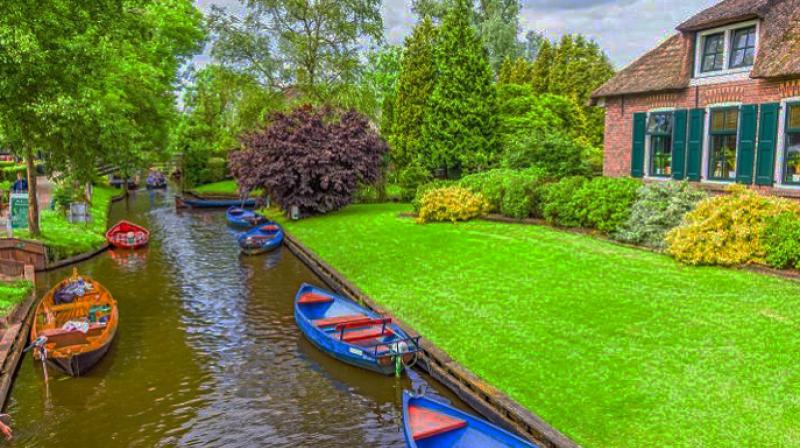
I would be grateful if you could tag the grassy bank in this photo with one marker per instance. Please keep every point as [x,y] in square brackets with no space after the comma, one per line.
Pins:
[64,239]
[12,294]
[611,345]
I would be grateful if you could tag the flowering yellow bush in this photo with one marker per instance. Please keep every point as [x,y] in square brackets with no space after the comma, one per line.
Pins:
[726,230]
[451,204]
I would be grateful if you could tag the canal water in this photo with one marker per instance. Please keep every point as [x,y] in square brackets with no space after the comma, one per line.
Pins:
[207,354]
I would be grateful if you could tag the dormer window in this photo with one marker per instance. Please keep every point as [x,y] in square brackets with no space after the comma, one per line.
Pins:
[726,50]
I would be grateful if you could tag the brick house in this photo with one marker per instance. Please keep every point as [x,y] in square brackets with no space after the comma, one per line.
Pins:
[716,103]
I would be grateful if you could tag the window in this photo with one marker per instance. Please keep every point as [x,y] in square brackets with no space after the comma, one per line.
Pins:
[659,129]
[723,140]
[743,47]
[714,52]
[791,164]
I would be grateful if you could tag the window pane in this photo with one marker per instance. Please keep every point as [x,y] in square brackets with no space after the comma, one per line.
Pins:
[722,160]
[791,170]
[660,123]
[713,50]
[743,47]
[725,120]
[661,155]
[794,116]
[732,120]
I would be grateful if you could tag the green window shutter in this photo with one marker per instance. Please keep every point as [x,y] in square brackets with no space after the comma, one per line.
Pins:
[694,153]
[637,152]
[679,144]
[746,151]
[767,135]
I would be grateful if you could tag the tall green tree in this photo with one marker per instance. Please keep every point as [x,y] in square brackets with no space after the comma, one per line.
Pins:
[516,72]
[414,87]
[460,124]
[542,68]
[498,25]
[312,45]
[83,82]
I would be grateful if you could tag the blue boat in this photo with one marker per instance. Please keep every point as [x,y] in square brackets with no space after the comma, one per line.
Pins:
[181,202]
[431,424]
[351,333]
[239,217]
[261,239]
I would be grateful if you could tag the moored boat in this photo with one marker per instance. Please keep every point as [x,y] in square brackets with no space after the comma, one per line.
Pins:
[351,333]
[156,181]
[429,423]
[186,202]
[127,235]
[261,239]
[74,325]
[240,217]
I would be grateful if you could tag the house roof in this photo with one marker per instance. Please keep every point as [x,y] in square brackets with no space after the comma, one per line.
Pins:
[668,66]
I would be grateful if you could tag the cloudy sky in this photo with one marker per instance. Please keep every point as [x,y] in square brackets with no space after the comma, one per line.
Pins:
[624,28]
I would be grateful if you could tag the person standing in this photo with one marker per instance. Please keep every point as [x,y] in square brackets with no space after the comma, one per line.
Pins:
[21,185]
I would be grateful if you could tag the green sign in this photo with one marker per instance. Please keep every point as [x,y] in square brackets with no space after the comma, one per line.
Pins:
[18,206]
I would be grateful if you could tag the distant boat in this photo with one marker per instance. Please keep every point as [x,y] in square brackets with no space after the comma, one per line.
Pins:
[261,239]
[240,217]
[156,181]
[75,324]
[431,424]
[181,202]
[127,235]
[352,333]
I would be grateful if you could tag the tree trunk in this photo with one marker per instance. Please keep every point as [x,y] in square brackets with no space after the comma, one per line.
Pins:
[33,198]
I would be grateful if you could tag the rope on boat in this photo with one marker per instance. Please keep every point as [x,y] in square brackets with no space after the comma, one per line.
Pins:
[40,345]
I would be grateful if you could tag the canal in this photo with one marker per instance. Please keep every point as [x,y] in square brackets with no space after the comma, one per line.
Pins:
[207,354]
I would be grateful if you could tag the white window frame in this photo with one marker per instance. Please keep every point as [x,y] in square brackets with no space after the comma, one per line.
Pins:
[727,31]
[780,145]
[707,142]
[648,150]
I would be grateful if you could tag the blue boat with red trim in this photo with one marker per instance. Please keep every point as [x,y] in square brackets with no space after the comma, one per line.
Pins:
[190,202]
[429,423]
[261,239]
[239,217]
[351,333]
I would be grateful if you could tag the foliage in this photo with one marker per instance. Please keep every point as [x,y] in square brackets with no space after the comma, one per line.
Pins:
[659,208]
[13,293]
[512,193]
[378,85]
[498,27]
[460,126]
[314,159]
[424,189]
[411,178]
[726,230]
[557,154]
[217,169]
[518,72]
[65,194]
[450,204]
[414,86]
[304,43]
[605,202]
[559,204]
[781,241]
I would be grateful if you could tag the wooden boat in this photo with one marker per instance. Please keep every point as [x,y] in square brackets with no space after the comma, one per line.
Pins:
[127,235]
[74,324]
[239,217]
[156,181]
[431,424]
[352,333]
[261,239]
[185,202]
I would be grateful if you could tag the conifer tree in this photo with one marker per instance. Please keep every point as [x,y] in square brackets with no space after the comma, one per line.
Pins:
[542,67]
[505,73]
[460,130]
[414,88]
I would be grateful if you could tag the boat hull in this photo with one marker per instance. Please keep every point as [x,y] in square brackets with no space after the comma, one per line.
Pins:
[270,241]
[81,364]
[244,219]
[116,236]
[214,203]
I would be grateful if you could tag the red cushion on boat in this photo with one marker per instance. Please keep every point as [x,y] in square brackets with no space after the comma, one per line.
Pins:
[269,228]
[313,297]
[426,423]
[369,333]
[333,321]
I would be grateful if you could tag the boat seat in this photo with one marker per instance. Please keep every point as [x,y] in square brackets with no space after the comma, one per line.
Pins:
[368,333]
[426,423]
[313,297]
[334,321]
[64,338]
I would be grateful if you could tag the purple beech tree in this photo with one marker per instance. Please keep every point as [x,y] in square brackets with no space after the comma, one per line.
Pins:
[314,159]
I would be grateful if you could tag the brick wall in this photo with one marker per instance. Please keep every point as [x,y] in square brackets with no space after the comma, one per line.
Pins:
[620,110]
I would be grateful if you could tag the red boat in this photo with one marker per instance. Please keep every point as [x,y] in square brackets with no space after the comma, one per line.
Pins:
[127,235]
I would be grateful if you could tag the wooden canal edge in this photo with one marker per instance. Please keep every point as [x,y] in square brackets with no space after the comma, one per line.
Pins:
[481,396]
[14,339]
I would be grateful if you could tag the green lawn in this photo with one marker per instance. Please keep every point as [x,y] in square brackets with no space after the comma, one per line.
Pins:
[613,346]
[13,293]
[65,240]
[224,187]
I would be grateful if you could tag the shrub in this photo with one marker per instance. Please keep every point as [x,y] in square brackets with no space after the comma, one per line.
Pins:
[659,208]
[558,202]
[604,203]
[216,170]
[726,230]
[513,193]
[423,189]
[781,241]
[451,204]
[410,179]
[556,153]
[314,159]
